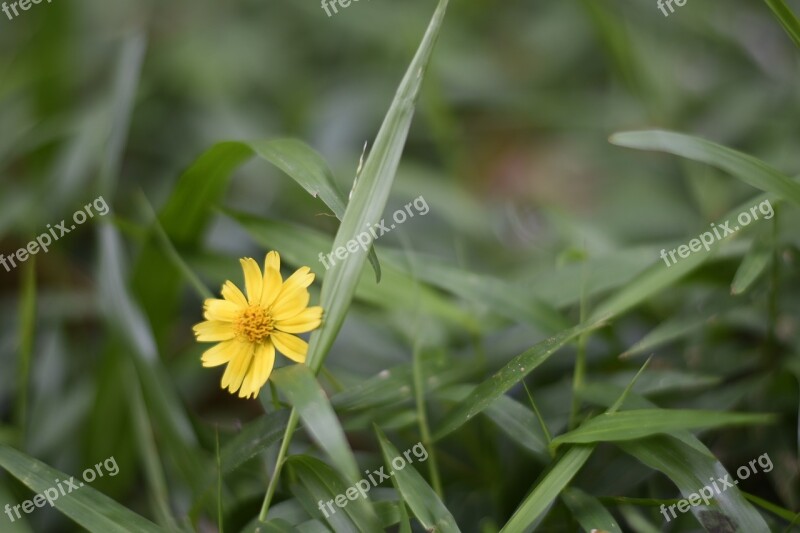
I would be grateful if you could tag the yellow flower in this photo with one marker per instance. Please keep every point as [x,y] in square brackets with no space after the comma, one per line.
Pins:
[249,330]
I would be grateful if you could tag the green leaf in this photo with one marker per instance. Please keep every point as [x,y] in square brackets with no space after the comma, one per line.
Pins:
[254,438]
[304,393]
[589,512]
[548,489]
[513,418]
[420,497]
[630,425]
[515,371]
[691,469]
[370,194]
[745,167]
[753,265]
[189,208]
[321,483]
[86,506]
[787,18]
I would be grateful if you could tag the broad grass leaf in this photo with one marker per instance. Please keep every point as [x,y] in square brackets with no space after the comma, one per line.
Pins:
[637,424]
[420,497]
[370,194]
[547,489]
[188,209]
[589,512]
[692,470]
[86,506]
[321,482]
[754,264]
[787,18]
[300,386]
[745,167]
[515,371]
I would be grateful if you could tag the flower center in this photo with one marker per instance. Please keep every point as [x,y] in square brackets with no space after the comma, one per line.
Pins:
[254,324]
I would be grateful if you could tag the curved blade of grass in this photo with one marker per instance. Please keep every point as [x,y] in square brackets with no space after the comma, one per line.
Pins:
[690,470]
[559,475]
[631,425]
[368,201]
[254,438]
[747,168]
[420,497]
[86,506]
[787,18]
[515,371]
[188,210]
[370,194]
[510,416]
[753,265]
[589,512]
[321,482]
[548,489]
[304,393]
[20,525]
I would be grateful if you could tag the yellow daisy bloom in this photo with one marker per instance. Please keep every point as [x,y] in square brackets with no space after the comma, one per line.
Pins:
[249,329]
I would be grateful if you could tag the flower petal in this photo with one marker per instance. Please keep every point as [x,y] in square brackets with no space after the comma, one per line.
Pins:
[272,287]
[232,293]
[290,305]
[214,331]
[292,347]
[260,370]
[220,354]
[244,391]
[273,260]
[237,368]
[302,278]
[253,280]
[222,310]
[306,320]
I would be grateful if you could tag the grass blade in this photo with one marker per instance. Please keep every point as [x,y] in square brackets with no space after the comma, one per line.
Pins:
[322,483]
[690,470]
[589,512]
[787,18]
[515,371]
[420,497]
[631,425]
[86,506]
[300,386]
[745,167]
[548,489]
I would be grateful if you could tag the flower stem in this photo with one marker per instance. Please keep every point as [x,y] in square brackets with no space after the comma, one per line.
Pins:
[291,425]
